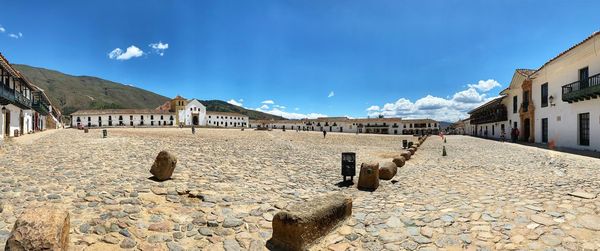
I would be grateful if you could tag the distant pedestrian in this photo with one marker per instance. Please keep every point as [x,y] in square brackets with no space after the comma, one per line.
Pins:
[514,134]
[324,134]
[502,135]
[193,130]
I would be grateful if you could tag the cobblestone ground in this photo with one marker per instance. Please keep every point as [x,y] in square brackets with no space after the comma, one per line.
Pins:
[228,184]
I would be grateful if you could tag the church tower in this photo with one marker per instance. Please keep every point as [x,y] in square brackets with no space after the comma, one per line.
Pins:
[178,106]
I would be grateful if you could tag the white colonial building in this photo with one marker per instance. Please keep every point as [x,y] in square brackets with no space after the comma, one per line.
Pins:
[556,104]
[176,112]
[24,107]
[396,126]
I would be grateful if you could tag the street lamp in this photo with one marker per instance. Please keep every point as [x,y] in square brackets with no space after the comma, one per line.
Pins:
[551,98]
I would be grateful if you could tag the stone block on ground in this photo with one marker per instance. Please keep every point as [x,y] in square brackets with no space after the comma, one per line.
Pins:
[304,224]
[40,228]
[406,155]
[387,170]
[412,150]
[163,166]
[399,161]
[368,178]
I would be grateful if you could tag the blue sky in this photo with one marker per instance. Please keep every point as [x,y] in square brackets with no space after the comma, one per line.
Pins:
[434,59]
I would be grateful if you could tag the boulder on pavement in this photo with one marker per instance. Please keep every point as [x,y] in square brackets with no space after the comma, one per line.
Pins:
[304,224]
[40,228]
[387,170]
[399,161]
[412,150]
[368,178]
[406,155]
[163,166]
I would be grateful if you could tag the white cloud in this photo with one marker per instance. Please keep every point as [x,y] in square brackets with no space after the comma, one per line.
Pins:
[264,107]
[15,36]
[132,52]
[373,108]
[486,85]
[331,94]
[296,109]
[442,109]
[269,102]
[236,103]
[469,96]
[2,30]
[279,106]
[159,48]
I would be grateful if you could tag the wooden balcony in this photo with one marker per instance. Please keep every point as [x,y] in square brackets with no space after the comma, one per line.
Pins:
[490,114]
[40,104]
[582,90]
[10,96]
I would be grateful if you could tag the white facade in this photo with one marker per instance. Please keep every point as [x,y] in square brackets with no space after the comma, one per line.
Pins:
[563,119]
[14,120]
[193,114]
[104,118]
[395,126]
[225,119]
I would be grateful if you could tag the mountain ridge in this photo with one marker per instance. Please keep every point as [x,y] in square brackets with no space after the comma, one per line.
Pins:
[71,93]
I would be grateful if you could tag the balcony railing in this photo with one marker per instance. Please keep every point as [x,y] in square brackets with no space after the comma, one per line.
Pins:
[11,96]
[39,103]
[490,115]
[582,89]
[22,101]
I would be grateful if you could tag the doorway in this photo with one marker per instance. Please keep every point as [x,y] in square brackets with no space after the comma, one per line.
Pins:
[195,119]
[583,78]
[526,129]
[545,130]
[7,123]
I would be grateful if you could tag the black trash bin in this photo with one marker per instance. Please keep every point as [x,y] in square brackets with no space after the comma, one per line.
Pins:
[348,165]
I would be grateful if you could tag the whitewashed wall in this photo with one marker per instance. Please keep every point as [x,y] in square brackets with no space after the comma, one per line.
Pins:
[193,107]
[128,120]
[563,117]
[226,120]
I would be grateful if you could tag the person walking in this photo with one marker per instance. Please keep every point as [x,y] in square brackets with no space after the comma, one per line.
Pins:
[324,133]
[502,135]
[514,134]
[193,130]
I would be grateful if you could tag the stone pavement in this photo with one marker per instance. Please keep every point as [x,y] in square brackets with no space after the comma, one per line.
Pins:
[228,184]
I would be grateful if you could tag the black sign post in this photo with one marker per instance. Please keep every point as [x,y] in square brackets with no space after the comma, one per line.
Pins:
[404,144]
[348,165]
[104,133]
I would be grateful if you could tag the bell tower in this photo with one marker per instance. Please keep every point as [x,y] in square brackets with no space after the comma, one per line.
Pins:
[178,106]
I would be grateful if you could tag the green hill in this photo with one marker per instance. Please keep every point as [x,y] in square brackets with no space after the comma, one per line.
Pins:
[71,93]
[222,106]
